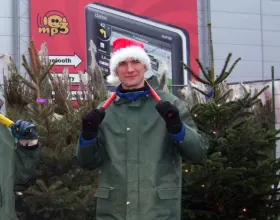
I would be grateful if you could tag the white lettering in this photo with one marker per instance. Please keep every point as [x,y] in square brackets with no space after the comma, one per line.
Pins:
[65,60]
[140,39]
[166,37]
[101,16]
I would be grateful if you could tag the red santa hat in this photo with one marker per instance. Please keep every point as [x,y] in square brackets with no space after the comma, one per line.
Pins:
[124,49]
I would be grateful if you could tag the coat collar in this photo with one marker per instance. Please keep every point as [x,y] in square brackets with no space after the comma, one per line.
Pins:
[121,99]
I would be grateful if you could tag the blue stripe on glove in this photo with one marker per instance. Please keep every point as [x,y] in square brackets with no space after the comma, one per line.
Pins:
[86,143]
[181,135]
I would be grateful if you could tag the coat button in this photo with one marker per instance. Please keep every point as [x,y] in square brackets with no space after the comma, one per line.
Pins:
[128,129]
[127,202]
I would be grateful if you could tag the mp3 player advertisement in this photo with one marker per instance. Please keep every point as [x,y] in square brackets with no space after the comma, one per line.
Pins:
[168,29]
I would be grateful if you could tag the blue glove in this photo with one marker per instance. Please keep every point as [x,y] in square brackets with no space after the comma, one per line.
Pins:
[25,132]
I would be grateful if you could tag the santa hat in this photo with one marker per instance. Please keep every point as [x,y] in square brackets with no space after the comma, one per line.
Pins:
[123,49]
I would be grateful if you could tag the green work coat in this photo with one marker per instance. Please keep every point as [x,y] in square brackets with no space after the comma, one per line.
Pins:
[140,162]
[17,166]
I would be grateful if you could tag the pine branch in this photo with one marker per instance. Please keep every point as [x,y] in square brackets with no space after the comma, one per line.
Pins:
[206,75]
[224,67]
[224,74]
[233,65]
[195,75]
[226,94]
[202,92]
[260,92]
[26,82]
[29,69]
[35,61]
[212,57]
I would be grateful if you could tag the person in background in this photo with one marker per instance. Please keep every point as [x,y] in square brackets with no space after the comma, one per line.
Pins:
[138,143]
[19,157]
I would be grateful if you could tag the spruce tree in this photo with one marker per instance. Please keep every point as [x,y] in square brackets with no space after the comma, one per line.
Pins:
[61,189]
[238,178]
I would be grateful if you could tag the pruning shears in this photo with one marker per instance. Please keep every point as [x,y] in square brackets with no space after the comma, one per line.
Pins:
[114,96]
[5,121]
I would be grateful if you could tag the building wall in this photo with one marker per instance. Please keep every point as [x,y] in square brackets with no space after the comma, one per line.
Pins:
[6,38]
[250,30]
[6,27]
[14,29]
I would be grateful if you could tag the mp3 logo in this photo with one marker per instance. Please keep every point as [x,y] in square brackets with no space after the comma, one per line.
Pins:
[53,22]
[101,16]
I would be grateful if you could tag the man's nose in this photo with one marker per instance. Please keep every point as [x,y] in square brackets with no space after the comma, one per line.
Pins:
[130,67]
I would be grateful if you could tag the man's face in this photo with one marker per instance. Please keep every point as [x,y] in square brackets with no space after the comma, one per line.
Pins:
[131,73]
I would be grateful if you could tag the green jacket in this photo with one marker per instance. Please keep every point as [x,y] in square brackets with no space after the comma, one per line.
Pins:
[17,166]
[140,163]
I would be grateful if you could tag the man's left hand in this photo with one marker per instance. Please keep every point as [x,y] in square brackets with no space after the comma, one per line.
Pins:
[26,133]
[170,114]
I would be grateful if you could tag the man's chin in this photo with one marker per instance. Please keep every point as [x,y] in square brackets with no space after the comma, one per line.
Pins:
[132,84]
[130,87]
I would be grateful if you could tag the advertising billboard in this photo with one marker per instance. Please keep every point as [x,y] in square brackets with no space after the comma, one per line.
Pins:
[168,30]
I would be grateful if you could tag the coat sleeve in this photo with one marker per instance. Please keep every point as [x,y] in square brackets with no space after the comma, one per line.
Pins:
[190,142]
[90,153]
[26,162]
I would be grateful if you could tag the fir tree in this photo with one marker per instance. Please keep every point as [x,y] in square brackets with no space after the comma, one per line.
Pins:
[238,179]
[61,189]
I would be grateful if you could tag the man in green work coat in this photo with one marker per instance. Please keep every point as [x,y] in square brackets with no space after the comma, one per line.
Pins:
[19,156]
[138,143]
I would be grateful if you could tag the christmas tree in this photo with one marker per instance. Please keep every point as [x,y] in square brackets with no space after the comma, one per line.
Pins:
[61,189]
[239,178]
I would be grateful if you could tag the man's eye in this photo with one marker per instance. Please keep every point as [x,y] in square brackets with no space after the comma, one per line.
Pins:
[135,61]
[121,63]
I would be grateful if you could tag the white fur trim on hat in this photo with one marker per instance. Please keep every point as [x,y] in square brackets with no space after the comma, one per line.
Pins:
[133,52]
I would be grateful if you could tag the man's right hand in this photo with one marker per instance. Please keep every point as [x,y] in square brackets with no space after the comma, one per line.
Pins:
[91,122]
